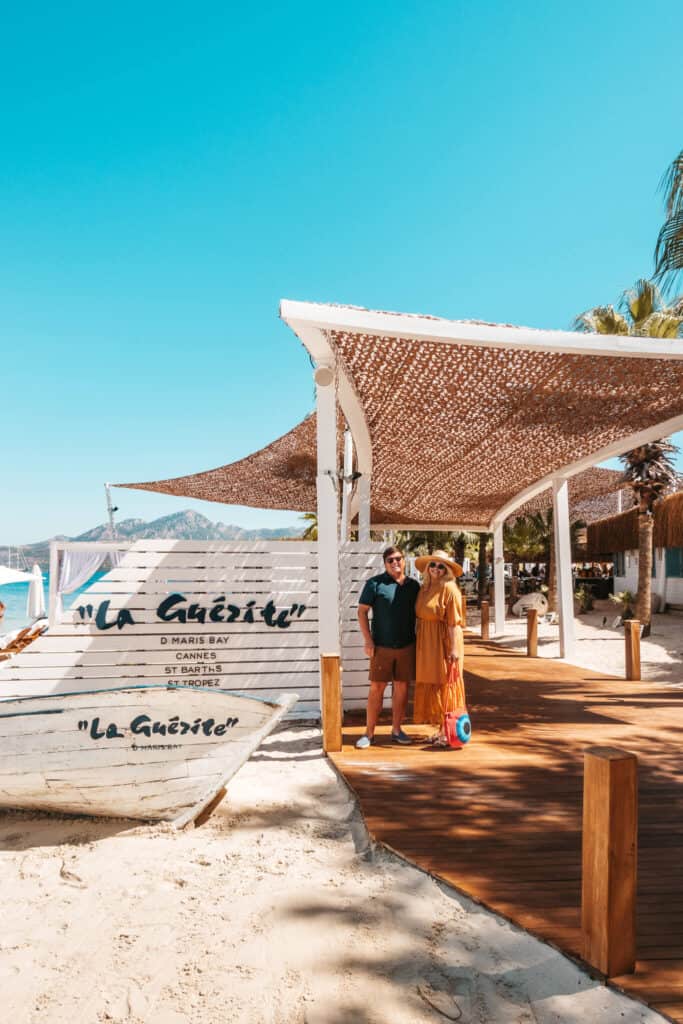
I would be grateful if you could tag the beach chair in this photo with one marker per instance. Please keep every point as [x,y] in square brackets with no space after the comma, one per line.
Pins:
[23,638]
[15,645]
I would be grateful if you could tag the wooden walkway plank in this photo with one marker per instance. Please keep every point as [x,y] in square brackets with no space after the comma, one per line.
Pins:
[501,819]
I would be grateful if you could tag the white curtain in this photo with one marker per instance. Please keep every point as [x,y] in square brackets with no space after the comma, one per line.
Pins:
[35,604]
[76,569]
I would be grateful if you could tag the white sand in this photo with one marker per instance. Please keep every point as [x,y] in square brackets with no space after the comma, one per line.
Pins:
[602,647]
[277,910]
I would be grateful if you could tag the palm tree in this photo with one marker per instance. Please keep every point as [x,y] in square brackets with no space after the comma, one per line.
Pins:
[650,472]
[648,468]
[669,247]
[542,528]
[482,567]
[523,541]
[414,542]
[641,312]
[311,531]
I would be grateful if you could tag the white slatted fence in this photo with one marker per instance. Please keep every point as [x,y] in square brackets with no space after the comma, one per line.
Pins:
[264,594]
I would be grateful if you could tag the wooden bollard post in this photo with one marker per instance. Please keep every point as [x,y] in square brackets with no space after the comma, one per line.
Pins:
[514,588]
[532,633]
[632,638]
[484,620]
[331,702]
[610,837]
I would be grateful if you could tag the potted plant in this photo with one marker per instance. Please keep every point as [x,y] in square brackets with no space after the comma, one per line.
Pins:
[584,599]
[626,599]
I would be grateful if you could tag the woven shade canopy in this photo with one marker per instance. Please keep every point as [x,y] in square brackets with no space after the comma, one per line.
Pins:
[462,422]
[282,476]
[593,494]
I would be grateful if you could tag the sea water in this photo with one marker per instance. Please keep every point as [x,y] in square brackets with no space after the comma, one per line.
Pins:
[15,596]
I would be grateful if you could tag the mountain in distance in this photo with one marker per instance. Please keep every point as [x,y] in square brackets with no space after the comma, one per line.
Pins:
[187,525]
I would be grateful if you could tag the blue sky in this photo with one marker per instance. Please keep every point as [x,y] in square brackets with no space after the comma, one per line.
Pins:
[169,173]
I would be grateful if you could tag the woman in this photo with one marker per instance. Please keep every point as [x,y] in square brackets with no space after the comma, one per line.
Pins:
[439,641]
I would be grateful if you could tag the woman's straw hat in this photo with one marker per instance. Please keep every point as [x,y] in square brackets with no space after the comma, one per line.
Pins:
[423,561]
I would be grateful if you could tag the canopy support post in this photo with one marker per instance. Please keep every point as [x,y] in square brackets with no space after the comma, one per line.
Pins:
[498,580]
[327,485]
[563,559]
[347,487]
[364,508]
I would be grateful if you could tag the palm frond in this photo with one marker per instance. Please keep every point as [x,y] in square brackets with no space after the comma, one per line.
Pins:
[669,249]
[601,320]
[650,471]
[641,301]
[660,324]
[672,185]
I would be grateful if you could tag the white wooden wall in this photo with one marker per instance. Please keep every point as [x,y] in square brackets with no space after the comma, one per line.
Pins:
[673,587]
[357,562]
[264,660]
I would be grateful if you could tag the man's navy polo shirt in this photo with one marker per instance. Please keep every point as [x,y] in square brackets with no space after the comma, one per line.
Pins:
[393,609]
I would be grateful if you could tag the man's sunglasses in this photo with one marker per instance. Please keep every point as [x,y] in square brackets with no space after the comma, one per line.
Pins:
[437,565]
[396,558]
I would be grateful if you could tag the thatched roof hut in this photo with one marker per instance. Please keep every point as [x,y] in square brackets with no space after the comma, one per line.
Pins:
[669,522]
[620,533]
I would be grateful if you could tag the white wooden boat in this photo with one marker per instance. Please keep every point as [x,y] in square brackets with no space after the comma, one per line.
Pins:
[153,752]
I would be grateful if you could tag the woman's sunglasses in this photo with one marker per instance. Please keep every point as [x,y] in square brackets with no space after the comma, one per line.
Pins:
[437,565]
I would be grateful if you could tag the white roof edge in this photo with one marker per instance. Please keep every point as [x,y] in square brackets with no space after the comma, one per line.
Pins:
[302,315]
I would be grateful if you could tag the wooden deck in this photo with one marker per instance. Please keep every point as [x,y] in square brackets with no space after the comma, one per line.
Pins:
[501,819]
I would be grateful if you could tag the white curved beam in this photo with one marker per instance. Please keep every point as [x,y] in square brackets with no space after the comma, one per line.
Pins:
[315,341]
[624,444]
[319,317]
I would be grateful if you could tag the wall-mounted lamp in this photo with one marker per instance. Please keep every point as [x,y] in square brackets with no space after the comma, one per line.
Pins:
[334,477]
[323,376]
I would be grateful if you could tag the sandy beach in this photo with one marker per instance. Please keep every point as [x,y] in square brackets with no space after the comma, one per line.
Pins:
[277,911]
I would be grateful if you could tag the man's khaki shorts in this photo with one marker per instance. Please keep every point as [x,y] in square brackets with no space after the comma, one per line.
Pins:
[393,663]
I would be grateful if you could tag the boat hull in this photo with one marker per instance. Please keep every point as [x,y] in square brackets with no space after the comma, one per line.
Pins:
[150,752]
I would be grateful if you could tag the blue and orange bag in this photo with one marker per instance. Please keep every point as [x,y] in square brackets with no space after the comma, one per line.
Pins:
[457,725]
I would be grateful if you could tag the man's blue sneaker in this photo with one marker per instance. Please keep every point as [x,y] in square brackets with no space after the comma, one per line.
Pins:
[364,742]
[401,737]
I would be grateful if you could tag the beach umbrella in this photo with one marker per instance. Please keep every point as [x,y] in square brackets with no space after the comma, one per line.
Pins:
[35,606]
[8,575]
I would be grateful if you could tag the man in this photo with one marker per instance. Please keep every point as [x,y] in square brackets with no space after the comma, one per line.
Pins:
[390,643]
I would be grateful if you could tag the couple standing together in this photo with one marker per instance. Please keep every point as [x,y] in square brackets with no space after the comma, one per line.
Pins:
[415,634]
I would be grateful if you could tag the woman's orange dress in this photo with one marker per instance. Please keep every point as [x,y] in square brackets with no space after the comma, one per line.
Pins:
[436,610]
